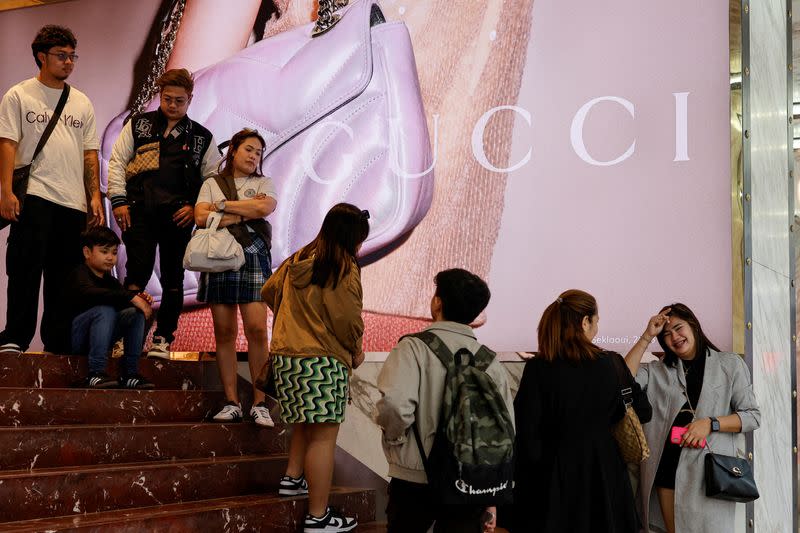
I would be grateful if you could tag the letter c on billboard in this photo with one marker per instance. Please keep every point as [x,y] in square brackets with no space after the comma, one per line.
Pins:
[477,138]
[576,132]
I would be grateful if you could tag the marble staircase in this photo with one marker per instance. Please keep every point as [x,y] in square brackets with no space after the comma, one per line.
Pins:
[73,459]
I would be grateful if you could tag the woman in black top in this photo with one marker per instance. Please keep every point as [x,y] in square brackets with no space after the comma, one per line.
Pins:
[569,473]
[693,372]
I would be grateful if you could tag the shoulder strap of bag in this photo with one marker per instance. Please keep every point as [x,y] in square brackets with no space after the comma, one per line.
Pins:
[53,121]
[227,186]
[213,221]
[436,345]
[626,390]
[443,353]
[691,408]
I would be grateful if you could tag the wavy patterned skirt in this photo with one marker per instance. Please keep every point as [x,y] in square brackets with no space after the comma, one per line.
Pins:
[310,389]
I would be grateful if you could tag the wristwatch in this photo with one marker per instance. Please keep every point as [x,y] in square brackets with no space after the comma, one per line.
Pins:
[220,205]
[714,424]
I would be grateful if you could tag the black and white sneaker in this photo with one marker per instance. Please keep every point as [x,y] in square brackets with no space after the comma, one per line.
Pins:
[260,415]
[332,522]
[135,382]
[231,412]
[10,348]
[99,380]
[290,486]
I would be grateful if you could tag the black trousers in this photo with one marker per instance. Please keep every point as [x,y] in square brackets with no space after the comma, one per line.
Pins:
[412,509]
[45,241]
[151,228]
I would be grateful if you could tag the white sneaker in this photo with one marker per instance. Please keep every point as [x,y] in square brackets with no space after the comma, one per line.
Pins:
[159,348]
[260,414]
[118,350]
[231,412]
[293,487]
[332,522]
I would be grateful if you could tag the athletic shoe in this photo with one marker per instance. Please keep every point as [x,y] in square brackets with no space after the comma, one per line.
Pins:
[231,412]
[159,348]
[10,349]
[100,380]
[290,486]
[118,350]
[135,382]
[332,522]
[260,415]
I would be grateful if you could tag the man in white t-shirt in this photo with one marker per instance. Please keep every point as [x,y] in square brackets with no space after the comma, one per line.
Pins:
[64,185]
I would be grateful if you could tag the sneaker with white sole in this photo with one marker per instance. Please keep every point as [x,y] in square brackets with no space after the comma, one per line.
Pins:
[100,380]
[10,348]
[290,486]
[159,347]
[230,412]
[332,522]
[135,382]
[260,415]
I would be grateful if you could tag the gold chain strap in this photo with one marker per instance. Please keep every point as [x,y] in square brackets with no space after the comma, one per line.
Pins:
[327,16]
[166,41]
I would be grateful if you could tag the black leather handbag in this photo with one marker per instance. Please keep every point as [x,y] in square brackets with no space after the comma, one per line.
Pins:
[21,175]
[729,478]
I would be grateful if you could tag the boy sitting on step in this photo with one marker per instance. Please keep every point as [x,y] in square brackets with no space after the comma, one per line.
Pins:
[99,311]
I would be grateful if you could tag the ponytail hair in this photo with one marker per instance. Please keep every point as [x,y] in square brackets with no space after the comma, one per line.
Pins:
[561,328]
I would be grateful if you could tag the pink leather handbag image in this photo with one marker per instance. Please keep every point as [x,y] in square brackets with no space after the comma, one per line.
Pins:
[343,119]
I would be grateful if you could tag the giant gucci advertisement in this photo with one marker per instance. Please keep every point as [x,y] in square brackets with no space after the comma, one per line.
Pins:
[542,144]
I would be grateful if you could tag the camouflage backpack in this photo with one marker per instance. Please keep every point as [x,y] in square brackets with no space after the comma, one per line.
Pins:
[472,458]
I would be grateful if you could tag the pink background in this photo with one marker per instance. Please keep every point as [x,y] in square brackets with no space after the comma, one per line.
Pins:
[637,235]
[645,232]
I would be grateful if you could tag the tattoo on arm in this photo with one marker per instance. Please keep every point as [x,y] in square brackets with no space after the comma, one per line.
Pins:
[91,176]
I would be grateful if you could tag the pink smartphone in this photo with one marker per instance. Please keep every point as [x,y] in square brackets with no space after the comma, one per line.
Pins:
[676,434]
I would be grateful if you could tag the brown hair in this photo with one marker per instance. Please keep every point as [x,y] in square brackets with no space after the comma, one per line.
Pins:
[561,328]
[177,77]
[226,166]
[334,249]
[701,342]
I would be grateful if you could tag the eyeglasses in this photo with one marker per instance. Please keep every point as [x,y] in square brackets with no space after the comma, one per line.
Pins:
[63,56]
[179,102]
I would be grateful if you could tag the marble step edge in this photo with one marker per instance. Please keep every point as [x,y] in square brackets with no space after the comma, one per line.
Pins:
[50,371]
[167,511]
[85,444]
[46,390]
[142,466]
[48,356]
[139,427]
[118,390]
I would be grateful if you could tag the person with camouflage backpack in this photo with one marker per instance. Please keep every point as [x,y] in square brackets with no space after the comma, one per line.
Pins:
[447,396]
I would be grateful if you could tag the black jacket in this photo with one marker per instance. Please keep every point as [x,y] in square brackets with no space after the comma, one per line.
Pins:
[84,290]
[179,176]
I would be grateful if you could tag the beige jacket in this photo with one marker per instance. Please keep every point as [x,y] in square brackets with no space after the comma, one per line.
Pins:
[412,384]
[311,321]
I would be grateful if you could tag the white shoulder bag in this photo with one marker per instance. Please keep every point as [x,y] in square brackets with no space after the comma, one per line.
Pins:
[213,249]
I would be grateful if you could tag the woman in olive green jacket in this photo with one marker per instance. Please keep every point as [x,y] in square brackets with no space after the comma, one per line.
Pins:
[316,299]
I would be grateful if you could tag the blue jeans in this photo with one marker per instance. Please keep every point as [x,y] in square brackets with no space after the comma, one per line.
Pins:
[95,331]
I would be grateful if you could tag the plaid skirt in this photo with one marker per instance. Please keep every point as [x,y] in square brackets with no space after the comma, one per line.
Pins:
[239,286]
[310,389]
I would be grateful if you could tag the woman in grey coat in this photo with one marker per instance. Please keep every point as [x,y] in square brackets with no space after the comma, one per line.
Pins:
[710,393]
